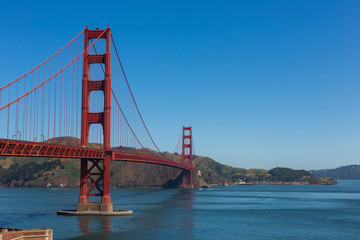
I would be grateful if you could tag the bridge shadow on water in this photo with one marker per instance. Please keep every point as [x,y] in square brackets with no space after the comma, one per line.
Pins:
[171,216]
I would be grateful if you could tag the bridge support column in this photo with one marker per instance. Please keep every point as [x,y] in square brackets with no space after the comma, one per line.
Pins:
[91,178]
[95,173]
[187,156]
[187,179]
[83,181]
[106,205]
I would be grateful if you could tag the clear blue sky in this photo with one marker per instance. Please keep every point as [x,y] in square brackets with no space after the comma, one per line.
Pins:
[263,83]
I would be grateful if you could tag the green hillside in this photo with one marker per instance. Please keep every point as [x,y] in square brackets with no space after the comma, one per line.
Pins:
[344,172]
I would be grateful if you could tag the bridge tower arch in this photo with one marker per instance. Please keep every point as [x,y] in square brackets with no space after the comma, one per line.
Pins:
[96,171]
[187,155]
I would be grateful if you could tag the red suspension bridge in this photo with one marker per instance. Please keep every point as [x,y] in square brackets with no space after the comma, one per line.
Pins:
[81,92]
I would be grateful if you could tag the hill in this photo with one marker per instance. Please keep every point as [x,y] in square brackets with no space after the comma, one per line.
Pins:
[344,172]
[66,172]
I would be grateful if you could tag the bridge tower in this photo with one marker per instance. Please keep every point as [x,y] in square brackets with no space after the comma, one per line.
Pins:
[95,172]
[187,155]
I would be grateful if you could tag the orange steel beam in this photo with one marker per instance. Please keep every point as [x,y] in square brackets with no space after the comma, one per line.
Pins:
[34,149]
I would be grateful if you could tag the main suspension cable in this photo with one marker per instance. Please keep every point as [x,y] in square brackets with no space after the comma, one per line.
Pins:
[60,71]
[178,143]
[43,62]
[122,69]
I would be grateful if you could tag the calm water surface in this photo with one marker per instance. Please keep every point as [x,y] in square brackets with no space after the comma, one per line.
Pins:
[235,212]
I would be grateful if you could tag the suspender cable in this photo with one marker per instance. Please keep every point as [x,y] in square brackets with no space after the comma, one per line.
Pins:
[117,54]
[44,61]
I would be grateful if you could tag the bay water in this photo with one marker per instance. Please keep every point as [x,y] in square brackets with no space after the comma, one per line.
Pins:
[234,212]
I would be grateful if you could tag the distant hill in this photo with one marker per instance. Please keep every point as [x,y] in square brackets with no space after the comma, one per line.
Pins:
[344,172]
[39,172]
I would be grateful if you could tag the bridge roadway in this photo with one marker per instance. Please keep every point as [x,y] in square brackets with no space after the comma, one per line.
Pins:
[18,148]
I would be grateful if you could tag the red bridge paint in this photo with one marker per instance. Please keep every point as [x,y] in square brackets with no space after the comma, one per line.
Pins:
[187,155]
[104,118]
[18,148]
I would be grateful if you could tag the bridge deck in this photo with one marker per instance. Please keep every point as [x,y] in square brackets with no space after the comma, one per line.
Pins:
[18,148]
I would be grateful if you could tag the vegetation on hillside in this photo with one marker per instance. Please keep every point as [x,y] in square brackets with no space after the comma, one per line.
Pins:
[19,174]
[288,175]
[344,172]
[215,173]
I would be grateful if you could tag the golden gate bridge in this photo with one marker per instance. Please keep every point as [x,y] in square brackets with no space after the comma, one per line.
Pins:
[81,92]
